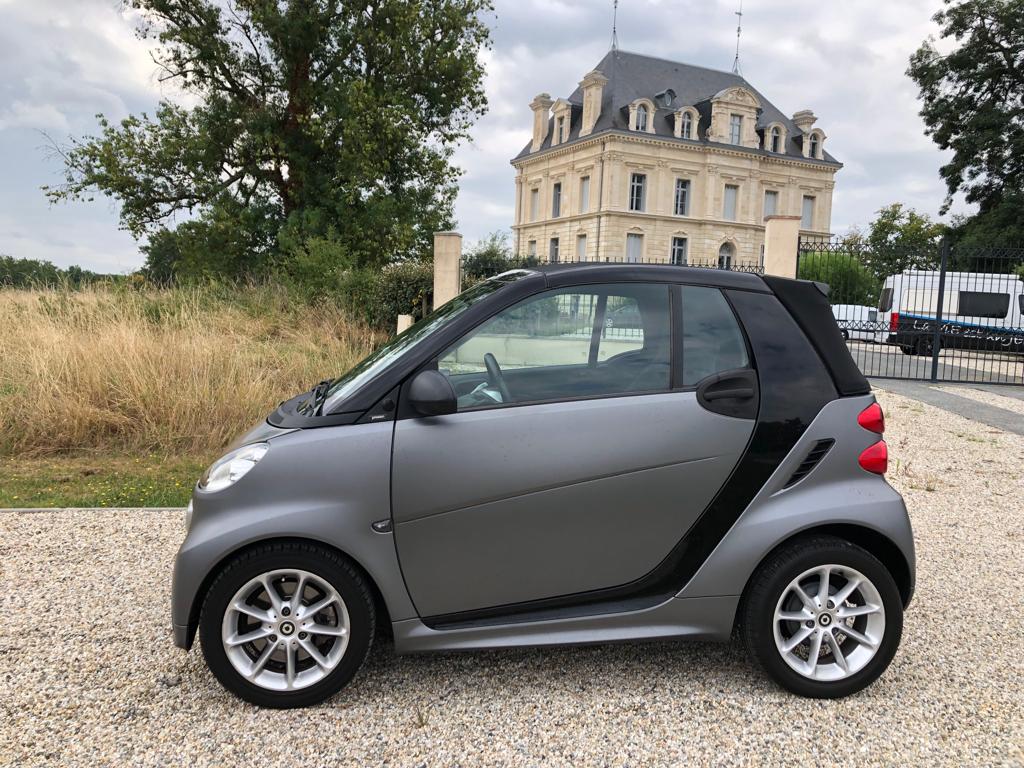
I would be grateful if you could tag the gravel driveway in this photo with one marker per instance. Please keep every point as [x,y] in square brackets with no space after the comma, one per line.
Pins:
[89,675]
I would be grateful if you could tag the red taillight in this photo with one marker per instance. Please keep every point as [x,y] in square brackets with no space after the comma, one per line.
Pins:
[894,321]
[872,419]
[875,458]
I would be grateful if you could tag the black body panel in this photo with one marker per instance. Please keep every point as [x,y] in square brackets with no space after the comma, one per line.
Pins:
[809,306]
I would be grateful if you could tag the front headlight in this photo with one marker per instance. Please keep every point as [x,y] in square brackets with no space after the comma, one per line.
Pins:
[231,467]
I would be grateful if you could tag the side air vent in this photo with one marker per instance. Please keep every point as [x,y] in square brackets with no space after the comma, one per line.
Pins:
[816,454]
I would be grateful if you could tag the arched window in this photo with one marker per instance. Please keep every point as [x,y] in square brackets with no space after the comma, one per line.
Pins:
[725,255]
[775,141]
[815,145]
[641,118]
[687,129]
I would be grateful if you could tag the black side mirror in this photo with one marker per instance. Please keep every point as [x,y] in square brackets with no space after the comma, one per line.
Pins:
[431,394]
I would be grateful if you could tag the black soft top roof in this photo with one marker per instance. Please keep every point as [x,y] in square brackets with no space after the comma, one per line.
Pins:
[577,273]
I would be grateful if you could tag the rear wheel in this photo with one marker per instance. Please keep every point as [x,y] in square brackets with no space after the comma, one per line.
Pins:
[823,617]
[287,624]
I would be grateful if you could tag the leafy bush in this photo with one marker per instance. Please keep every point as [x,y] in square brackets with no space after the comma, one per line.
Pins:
[850,281]
[491,256]
[378,296]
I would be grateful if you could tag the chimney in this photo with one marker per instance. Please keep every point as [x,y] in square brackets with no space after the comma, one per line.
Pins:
[593,88]
[541,107]
[804,120]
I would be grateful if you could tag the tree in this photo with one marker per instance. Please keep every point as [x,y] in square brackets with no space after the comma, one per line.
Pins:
[491,256]
[849,281]
[973,104]
[900,238]
[306,117]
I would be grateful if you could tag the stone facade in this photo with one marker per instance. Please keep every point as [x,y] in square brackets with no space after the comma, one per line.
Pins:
[591,182]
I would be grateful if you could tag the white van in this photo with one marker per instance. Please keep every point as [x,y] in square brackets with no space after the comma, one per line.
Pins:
[980,311]
[857,322]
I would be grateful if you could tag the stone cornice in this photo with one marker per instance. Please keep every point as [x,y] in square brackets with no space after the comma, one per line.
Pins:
[668,141]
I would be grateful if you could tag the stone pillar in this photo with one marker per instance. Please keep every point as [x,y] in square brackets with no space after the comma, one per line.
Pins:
[404,321]
[781,238]
[447,267]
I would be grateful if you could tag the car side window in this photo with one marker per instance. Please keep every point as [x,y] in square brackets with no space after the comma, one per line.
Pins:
[712,339]
[578,342]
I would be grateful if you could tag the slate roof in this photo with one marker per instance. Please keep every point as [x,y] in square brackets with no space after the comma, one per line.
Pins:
[632,76]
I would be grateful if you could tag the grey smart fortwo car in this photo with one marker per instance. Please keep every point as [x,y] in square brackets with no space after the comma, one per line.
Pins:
[572,454]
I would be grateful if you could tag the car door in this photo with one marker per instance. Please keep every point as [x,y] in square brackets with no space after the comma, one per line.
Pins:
[589,467]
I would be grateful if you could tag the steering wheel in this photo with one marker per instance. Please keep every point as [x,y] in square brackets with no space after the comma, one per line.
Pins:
[495,377]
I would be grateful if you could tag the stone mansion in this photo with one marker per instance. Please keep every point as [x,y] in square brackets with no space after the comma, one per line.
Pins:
[652,160]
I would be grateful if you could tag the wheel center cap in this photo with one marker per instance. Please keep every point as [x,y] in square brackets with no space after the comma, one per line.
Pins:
[286,628]
[824,619]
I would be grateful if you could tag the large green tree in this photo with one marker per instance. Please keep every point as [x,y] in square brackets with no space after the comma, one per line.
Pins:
[300,120]
[900,238]
[973,104]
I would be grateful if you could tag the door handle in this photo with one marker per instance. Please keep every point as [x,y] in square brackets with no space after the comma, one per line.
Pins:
[741,393]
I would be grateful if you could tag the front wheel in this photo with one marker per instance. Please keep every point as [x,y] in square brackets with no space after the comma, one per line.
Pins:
[823,617]
[287,624]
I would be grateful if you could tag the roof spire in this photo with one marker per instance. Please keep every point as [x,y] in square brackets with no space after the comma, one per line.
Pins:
[615,20]
[739,28]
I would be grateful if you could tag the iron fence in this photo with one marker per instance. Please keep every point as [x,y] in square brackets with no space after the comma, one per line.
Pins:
[940,313]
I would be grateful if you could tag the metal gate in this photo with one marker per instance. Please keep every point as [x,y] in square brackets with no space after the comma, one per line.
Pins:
[939,313]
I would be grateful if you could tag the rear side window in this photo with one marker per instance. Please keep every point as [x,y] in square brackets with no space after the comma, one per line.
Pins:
[712,339]
[978,304]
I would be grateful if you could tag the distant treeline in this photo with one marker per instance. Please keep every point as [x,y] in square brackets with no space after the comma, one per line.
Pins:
[35,273]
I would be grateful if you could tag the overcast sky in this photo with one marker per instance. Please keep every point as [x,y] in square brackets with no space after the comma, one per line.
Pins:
[63,61]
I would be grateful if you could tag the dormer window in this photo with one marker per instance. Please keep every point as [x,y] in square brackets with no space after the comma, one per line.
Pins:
[666,98]
[775,139]
[686,132]
[560,130]
[735,129]
[641,118]
[815,148]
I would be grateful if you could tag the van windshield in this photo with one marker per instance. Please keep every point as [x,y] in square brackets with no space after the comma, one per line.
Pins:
[383,357]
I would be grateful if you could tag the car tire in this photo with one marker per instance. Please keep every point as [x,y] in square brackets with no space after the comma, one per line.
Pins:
[300,656]
[844,665]
[846,335]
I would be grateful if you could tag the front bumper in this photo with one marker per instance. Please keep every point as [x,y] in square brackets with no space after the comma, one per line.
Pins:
[183,636]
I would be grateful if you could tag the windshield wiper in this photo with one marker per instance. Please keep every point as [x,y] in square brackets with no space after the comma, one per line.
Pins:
[314,405]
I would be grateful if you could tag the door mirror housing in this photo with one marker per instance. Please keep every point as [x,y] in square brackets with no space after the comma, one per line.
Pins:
[431,394]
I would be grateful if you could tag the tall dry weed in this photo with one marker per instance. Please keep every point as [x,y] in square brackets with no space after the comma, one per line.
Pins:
[180,370]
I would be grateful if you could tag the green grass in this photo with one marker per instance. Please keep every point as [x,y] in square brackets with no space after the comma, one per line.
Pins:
[146,480]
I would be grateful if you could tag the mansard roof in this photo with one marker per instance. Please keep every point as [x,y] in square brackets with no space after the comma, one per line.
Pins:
[633,76]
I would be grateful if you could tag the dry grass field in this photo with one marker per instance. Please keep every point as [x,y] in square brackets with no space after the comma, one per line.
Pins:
[105,374]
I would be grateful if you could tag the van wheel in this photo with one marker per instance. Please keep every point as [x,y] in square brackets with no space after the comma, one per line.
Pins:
[923,346]
[823,617]
[287,624]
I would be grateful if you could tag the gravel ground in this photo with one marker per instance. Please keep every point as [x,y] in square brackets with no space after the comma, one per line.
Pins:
[89,675]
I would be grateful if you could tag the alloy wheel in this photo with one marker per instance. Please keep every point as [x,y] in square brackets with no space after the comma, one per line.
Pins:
[285,630]
[829,623]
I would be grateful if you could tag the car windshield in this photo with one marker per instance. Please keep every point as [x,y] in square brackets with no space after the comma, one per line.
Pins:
[377,361]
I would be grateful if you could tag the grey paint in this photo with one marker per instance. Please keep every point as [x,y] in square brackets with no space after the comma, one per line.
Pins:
[327,484]
[836,491]
[515,504]
[708,618]
[633,75]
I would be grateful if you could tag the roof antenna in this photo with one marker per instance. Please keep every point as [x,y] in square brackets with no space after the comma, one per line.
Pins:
[739,28]
[615,20]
